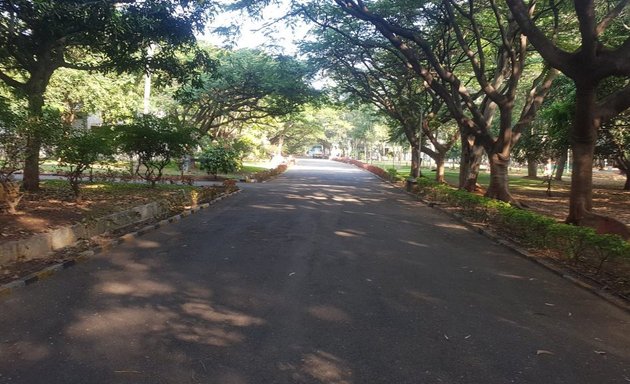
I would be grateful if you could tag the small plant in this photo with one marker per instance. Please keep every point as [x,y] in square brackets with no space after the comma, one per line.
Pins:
[393,174]
[219,158]
[154,142]
[79,151]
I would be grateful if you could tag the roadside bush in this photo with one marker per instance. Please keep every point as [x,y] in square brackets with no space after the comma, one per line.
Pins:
[269,173]
[154,142]
[392,174]
[576,244]
[81,149]
[380,172]
[219,158]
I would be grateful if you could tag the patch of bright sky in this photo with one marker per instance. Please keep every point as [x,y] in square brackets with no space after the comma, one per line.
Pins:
[271,32]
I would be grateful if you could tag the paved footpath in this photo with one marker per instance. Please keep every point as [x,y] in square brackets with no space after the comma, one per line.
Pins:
[324,275]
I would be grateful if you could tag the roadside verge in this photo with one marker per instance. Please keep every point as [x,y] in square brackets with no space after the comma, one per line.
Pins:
[84,255]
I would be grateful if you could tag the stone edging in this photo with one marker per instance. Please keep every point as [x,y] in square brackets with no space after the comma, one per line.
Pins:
[8,288]
[617,301]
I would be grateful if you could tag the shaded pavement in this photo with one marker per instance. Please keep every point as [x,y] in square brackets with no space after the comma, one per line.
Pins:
[324,275]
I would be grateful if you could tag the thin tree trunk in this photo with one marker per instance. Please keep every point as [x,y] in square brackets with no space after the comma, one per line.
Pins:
[583,135]
[34,144]
[415,160]
[561,163]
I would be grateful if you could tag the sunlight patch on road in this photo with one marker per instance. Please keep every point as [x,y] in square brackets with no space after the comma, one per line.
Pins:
[326,368]
[27,350]
[346,198]
[350,233]
[451,226]
[206,312]
[414,243]
[136,288]
[147,244]
[329,313]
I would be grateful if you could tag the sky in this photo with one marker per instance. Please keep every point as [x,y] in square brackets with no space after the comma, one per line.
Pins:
[275,37]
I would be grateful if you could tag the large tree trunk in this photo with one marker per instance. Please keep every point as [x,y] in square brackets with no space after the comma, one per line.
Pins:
[583,136]
[34,143]
[470,163]
[499,185]
[561,163]
[532,167]
[415,159]
[439,167]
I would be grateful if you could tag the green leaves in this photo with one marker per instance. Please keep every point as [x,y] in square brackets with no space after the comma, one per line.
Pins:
[247,85]
[220,157]
[154,142]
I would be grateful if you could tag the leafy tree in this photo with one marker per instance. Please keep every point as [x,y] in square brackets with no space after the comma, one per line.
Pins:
[246,85]
[548,136]
[154,142]
[369,70]
[39,37]
[473,56]
[80,150]
[115,97]
[601,51]
[219,157]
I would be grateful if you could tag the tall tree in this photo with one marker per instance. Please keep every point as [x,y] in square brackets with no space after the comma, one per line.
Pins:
[39,37]
[373,72]
[447,41]
[246,85]
[602,52]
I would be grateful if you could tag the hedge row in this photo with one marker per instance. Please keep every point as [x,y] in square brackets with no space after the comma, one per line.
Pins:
[577,244]
[380,172]
[269,173]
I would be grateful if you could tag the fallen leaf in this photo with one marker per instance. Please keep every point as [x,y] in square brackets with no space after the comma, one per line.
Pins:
[446,336]
[543,352]
[292,273]
[600,352]
[550,305]
[467,337]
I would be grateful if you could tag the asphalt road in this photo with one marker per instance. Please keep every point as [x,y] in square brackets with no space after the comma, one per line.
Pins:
[324,275]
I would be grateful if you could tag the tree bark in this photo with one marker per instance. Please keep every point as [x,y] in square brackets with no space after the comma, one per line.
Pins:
[415,160]
[439,168]
[583,136]
[499,186]
[561,163]
[472,153]
[623,163]
[34,143]
[532,167]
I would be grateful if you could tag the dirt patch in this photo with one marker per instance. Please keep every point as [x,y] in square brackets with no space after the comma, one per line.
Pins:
[609,198]
[55,207]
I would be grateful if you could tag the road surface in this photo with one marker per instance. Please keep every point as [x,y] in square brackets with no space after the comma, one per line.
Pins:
[324,275]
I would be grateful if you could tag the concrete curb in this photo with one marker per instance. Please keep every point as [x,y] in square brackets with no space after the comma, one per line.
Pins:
[571,276]
[8,288]
[40,244]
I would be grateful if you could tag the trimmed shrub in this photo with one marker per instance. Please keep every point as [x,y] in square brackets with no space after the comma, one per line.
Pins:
[577,244]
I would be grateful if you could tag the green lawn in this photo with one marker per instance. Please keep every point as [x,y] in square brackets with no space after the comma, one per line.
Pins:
[452,175]
[51,166]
